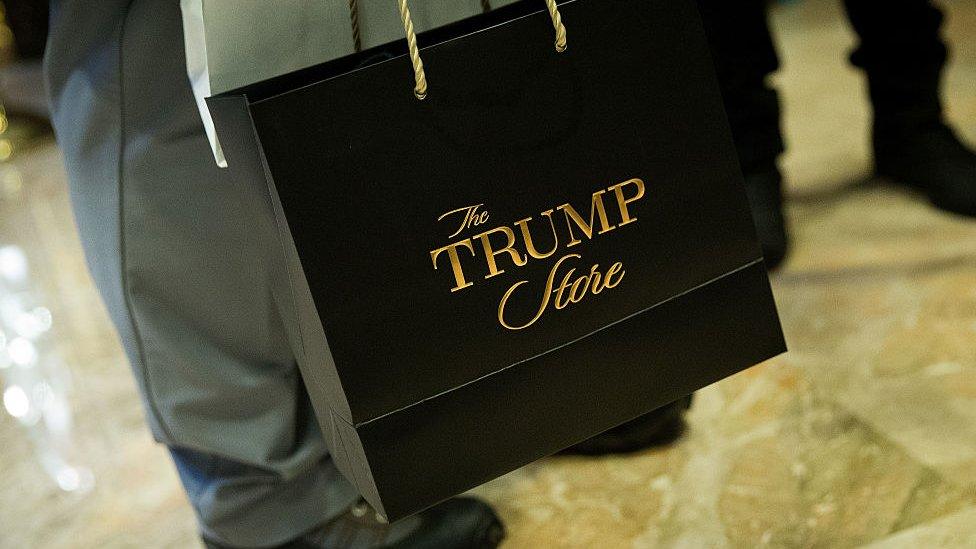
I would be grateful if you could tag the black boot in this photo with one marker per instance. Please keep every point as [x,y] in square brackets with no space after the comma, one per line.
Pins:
[658,428]
[459,523]
[932,159]
[903,56]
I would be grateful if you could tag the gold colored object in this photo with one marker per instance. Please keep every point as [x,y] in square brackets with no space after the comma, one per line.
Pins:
[418,64]
[357,35]
[557,23]
[568,282]
[597,224]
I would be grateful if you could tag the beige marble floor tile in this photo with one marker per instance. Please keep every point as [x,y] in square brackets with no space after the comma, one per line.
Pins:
[955,531]
[769,461]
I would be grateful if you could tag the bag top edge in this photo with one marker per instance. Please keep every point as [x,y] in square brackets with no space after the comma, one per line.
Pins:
[278,85]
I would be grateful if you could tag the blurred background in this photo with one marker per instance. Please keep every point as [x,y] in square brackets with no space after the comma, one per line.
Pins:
[864,434]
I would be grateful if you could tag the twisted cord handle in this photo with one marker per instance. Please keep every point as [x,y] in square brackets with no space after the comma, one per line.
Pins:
[557,23]
[420,90]
[357,34]
[420,76]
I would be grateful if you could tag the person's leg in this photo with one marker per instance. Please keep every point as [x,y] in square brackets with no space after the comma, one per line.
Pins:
[188,263]
[903,55]
[744,56]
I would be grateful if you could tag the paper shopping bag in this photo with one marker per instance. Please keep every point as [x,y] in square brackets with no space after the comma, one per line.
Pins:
[549,245]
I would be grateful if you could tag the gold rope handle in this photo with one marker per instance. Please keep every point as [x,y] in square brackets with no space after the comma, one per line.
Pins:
[420,76]
[557,22]
[420,90]
[357,34]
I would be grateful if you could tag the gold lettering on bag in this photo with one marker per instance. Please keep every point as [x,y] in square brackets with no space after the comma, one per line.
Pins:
[565,284]
[573,217]
[490,253]
[470,219]
[530,243]
[622,202]
[566,293]
[452,253]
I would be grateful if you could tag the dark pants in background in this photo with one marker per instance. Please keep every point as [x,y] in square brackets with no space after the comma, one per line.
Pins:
[900,50]
[27,20]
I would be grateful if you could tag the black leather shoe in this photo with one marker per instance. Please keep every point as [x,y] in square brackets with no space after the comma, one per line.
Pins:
[764,187]
[931,159]
[658,428]
[459,523]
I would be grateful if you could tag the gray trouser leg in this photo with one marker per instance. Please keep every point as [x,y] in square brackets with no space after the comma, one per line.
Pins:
[187,262]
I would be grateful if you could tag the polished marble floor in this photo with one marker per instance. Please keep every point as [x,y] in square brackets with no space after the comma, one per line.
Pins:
[863,435]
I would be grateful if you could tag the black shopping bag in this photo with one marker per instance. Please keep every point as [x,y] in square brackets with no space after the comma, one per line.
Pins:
[549,245]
